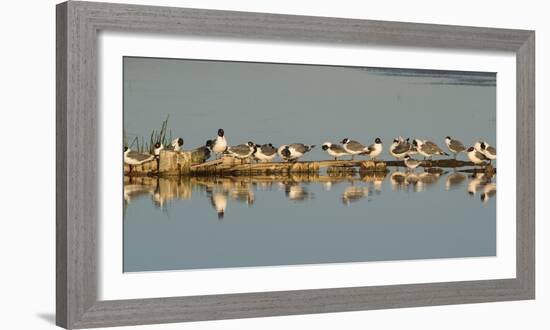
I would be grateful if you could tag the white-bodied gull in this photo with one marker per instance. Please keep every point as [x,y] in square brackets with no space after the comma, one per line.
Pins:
[335,150]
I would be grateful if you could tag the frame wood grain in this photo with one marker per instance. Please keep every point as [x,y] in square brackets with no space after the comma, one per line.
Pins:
[78,24]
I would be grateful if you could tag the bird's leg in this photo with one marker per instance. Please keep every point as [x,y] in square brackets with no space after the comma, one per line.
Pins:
[335,158]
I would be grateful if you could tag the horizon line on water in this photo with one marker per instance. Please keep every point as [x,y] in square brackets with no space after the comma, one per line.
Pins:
[485,78]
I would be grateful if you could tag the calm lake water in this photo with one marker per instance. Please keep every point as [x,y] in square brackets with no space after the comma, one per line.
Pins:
[178,224]
[173,225]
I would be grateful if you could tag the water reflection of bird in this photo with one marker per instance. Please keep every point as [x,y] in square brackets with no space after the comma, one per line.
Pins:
[375,178]
[425,180]
[158,198]
[378,181]
[454,179]
[135,190]
[412,178]
[242,192]
[264,185]
[489,191]
[398,180]
[474,183]
[133,158]
[353,194]
[454,145]
[219,203]
[295,192]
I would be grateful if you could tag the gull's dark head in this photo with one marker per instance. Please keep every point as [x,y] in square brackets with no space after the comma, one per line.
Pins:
[221,132]
[377,140]
[396,140]
[125,149]
[180,142]
[447,138]
[286,152]
[157,145]
[483,146]
[344,141]
[470,149]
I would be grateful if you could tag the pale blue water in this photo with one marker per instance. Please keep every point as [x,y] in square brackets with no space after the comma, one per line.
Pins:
[175,226]
[284,223]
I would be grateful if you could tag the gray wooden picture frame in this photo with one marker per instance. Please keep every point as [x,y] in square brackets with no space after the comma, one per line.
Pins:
[78,24]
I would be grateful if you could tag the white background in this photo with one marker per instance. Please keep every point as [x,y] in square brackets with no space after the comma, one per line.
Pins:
[27,107]
[116,285]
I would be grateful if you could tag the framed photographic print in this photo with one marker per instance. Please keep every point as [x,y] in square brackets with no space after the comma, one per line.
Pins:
[314,164]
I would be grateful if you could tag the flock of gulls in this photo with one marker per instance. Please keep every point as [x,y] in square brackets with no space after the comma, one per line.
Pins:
[401,149]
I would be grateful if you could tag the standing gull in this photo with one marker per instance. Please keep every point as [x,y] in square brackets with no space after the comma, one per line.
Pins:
[411,163]
[219,146]
[375,149]
[292,152]
[353,147]
[176,144]
[477,145]
[265,152]
[156,151]
[454,146]
[399,148]
[133,158]
[475,156]
[488,151]
[241,151]
[427,148]
[202,153]
[335,150]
